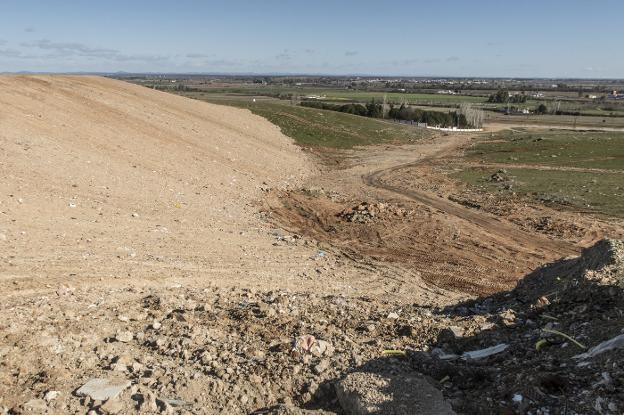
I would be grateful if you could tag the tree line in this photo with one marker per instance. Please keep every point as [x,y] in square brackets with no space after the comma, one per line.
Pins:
[502,96]
[466,117]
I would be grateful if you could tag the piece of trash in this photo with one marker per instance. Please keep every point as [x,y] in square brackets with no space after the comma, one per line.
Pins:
[540,344]
[445,378]
[564,336]
[304,343]
[517,398]
[176,402]
[611,344]
[542,302]
[394,353]
[480,354]
[442,355]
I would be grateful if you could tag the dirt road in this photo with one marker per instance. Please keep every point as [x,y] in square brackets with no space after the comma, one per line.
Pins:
[506,233]
[447,245]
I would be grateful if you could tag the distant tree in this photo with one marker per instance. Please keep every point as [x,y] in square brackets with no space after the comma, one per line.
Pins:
[374,110]
[501,96]
[541,109]
[473,116]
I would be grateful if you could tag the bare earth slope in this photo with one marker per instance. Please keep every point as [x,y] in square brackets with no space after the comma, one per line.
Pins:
[101,178]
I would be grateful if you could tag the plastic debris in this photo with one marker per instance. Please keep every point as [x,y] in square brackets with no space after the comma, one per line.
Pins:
[540,344]
[614,343]
[304,343]
[480,354]
[472,355]
[558,333]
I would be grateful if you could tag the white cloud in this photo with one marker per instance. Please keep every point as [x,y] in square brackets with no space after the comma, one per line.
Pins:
[65,49]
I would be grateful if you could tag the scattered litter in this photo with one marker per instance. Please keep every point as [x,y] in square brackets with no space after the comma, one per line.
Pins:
[540,344]
[564,336]
[176,402]
[304,343]
[614,343]
[480,354]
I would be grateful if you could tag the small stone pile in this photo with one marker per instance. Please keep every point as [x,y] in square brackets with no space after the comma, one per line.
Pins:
[367,212]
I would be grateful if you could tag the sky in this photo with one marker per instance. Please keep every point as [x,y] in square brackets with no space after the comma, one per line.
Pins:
[479,38]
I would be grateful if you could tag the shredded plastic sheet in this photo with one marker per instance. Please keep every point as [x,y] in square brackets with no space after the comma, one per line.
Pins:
[614,343]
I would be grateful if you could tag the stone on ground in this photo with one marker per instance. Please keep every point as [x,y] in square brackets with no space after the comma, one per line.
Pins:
[103,389]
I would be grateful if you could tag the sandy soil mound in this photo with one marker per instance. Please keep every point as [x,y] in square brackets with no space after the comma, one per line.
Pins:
[103,178]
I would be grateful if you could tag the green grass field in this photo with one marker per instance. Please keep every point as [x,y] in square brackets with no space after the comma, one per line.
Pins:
[586,149]
[314,127]
[598,191]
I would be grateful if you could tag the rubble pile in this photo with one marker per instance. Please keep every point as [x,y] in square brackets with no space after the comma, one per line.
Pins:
[552,345]
[367,212]
[562,331]
[196,350]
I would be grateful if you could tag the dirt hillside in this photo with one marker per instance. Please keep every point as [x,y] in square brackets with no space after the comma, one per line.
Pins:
[102,178]
[149,264]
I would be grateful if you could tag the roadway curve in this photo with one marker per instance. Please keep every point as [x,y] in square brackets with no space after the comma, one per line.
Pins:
[504,231]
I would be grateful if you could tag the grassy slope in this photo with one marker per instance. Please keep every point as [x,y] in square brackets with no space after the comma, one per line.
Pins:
[314,127]
[601,192]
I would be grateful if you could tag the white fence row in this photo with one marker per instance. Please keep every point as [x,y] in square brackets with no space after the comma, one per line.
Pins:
[455,129]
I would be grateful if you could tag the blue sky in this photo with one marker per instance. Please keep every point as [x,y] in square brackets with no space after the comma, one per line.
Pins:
[547,38]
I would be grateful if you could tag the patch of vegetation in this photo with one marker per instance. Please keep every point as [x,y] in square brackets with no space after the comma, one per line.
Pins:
[404,112]
[566,148]
[317,127]
[598,192]
[584,170]
[502,96]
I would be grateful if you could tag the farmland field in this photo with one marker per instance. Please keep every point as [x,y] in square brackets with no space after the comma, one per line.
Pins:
[334,94]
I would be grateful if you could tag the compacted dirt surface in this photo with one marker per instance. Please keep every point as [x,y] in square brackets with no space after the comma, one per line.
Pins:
[164,255]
